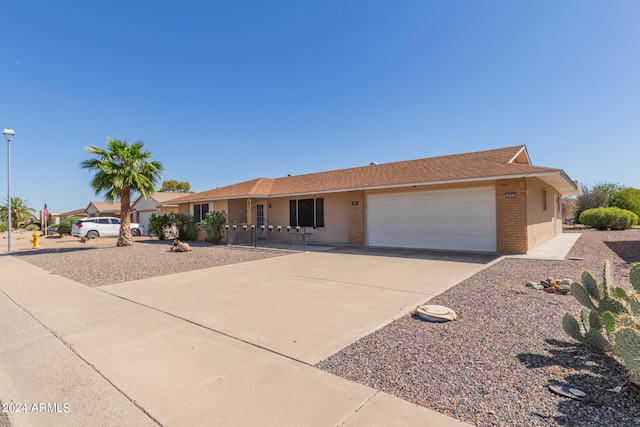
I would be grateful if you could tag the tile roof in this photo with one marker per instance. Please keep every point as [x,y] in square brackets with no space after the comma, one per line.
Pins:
[105,206]
[165,196]
[490,164]
[160,197]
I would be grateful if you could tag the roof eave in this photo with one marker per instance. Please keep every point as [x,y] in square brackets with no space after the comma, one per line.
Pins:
[562,183]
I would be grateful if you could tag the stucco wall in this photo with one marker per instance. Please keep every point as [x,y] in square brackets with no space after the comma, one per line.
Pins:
[335,228]
[540,221]
[237,210]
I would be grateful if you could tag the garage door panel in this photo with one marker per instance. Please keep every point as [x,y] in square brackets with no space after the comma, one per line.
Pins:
[453,219]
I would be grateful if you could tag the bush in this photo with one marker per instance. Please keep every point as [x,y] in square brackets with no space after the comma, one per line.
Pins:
[213,226]
[3,228]
[185,224]
[626,198]
[32,227]
[65,225]
[605,218]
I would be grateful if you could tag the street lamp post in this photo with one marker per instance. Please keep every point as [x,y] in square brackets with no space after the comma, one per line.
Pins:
[8,134]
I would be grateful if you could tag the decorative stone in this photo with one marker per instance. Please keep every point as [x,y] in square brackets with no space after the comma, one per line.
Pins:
[537,287]
[530,284]
[550,290]
[563,289]
[545,283]
[566,281]
[184,247]
[549,279]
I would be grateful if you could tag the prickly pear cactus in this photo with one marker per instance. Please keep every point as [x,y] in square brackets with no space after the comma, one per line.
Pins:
[634,297]
[597,299]
[627,346]
[592,324]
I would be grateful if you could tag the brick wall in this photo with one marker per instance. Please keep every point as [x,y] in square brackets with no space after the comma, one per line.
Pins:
[356,217]
[511,216]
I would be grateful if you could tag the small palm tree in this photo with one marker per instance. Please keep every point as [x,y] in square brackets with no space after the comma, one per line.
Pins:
[20,212]
[121,168]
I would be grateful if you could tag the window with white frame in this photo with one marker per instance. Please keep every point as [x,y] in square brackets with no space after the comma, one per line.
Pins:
[200,211]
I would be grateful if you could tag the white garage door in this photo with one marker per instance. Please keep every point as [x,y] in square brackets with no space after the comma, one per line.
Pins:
[144,220]
[463,219]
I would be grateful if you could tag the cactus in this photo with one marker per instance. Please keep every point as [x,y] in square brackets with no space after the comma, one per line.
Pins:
[618,312]
[627,346]
[597,299]
[593,336]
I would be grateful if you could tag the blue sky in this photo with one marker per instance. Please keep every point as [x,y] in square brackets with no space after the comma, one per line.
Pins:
[223,92]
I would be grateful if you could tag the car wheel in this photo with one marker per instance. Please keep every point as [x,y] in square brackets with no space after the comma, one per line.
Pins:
[93,233]
[135,232]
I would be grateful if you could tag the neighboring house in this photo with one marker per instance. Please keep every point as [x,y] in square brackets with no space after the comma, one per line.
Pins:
[57,217]
[569,207]
[493,201]
[104,209]
[158,203]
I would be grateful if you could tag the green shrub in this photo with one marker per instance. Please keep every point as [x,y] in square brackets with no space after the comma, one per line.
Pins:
[3,227]
[32,227]
[213,225]
[65,225]
[186,225]
[626,198]
[596,218]
[605,218]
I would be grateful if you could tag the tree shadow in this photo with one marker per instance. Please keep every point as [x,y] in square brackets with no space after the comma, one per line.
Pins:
[595,374]
[627,250]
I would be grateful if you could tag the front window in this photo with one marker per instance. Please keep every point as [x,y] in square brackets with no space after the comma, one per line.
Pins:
[306,212]
[200,211]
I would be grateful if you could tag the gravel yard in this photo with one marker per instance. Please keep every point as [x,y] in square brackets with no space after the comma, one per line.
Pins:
[100,262]
[493,366]
[490,368]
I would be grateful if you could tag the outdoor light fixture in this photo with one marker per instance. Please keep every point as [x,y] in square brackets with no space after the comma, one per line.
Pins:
[8,134]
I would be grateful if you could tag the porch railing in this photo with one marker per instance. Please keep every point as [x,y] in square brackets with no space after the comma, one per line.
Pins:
[273,237]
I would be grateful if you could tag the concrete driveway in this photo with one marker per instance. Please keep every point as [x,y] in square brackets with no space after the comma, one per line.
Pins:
[226,346]
[309,305]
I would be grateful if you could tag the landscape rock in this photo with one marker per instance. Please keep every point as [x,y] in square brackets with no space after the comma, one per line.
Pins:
[537,287]
[563,289]
[184,247]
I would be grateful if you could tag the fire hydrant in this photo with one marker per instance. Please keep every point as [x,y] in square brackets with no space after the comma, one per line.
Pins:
[35,240]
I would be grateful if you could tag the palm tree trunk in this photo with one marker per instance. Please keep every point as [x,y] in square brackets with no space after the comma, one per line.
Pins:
[125,238]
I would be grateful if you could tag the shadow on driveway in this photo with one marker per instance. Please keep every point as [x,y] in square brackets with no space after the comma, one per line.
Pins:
[427,254]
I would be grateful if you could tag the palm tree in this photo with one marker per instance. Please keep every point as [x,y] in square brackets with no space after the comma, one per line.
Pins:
[20,212]
[121,168]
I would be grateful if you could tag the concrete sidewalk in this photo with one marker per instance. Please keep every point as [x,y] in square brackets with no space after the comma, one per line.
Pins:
[555,249]
[118,362]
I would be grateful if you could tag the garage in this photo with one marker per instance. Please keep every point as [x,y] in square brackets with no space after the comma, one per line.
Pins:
[460,219]
[143,220]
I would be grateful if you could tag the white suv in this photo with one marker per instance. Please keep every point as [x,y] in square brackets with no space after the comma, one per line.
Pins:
[100,226]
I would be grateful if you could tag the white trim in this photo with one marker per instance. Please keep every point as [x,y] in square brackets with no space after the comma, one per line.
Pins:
[524,148]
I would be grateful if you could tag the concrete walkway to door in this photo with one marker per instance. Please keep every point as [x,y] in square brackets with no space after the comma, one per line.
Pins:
[227,346]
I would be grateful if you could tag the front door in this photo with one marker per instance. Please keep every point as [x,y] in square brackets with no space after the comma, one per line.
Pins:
[261,215]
